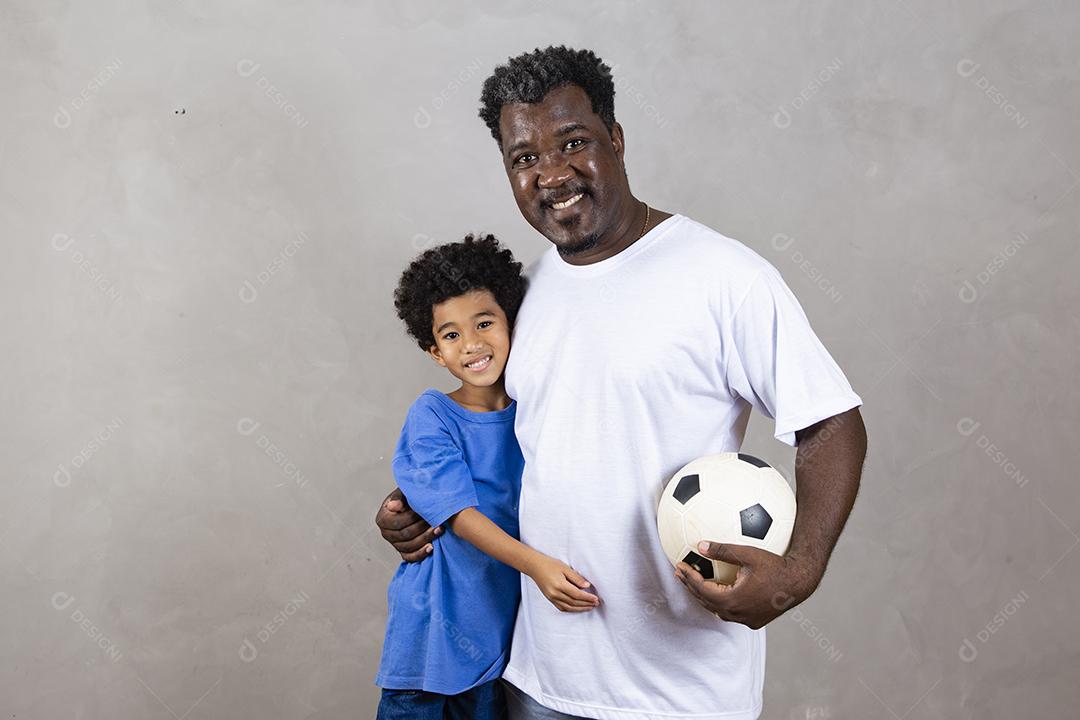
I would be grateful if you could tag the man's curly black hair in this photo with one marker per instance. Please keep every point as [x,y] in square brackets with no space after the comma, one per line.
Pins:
[527,78]
[453,269]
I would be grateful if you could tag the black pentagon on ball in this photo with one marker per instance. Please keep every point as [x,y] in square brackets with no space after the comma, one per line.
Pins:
[699,563]
[688,487]
[756,522]
[753,460]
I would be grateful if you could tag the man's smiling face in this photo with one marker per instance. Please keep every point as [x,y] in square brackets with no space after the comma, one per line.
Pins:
[565,168]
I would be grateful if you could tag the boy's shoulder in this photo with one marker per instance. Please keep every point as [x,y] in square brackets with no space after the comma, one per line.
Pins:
[427,417]
[428,398]
[426,407]
[432,411]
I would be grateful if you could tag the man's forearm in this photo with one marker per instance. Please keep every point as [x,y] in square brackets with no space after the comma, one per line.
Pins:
[828,466]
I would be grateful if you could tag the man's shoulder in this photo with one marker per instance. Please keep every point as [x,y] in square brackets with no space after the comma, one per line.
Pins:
[715,252]
[685,246]
[534,265]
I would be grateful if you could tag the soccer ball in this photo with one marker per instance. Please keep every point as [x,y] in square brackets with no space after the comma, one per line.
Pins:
[730,498]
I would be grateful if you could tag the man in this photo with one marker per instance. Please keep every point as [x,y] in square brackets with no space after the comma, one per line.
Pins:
[643,342]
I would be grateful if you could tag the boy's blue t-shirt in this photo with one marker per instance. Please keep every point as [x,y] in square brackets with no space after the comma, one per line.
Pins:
[451,615]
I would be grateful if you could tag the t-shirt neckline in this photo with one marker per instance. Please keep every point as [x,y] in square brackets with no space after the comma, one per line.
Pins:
[473,415]
[608,264]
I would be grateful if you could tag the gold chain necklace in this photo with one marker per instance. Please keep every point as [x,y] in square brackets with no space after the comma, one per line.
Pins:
[642,233]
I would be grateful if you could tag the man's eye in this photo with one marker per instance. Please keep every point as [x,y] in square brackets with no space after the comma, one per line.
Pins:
[523,159]
[574,144]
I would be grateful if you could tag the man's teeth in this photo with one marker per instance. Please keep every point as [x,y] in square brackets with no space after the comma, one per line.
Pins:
[479,363]
[567,203]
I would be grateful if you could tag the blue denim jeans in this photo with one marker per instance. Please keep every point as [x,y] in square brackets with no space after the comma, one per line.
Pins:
[523,707]
[483,702]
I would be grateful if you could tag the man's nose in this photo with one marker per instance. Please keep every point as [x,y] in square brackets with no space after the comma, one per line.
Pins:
[554,172]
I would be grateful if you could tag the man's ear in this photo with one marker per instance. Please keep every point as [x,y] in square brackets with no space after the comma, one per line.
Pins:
[618,142]
[436,355]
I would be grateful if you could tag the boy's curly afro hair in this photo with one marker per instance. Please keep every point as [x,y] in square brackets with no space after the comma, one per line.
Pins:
[527,78]
[454,269]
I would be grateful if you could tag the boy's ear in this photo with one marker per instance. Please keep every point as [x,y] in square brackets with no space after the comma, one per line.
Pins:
[433,351]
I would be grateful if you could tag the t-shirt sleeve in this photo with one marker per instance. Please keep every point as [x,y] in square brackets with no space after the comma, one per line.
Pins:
[430,468]
[777,364]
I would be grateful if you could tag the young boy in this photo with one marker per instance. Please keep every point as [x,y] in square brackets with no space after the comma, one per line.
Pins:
[451,616]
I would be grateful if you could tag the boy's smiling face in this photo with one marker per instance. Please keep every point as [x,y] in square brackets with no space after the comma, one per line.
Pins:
[469,328]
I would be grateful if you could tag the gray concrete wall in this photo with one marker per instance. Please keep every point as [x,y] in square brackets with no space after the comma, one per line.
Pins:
[205,208]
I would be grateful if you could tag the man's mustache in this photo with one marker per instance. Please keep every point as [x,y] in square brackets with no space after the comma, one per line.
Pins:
[565,193]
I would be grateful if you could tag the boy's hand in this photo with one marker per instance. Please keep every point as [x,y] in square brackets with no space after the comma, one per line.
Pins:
[409,533]
[562,585]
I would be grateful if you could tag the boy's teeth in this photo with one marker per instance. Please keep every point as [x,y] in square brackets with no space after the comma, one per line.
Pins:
[567,203]
[481,361]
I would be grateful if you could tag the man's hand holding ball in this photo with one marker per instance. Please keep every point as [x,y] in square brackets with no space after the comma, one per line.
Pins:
[766,585]
[737,499]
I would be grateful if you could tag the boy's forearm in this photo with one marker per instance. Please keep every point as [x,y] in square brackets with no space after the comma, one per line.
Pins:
[472,525]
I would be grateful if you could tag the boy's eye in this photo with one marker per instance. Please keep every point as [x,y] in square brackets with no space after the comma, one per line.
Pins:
[485,323]
[449,335]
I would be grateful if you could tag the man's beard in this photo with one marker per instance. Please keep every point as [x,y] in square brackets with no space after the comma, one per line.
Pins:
[579,246]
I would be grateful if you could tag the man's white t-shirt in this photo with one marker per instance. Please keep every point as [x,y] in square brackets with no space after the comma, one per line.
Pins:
[624,371]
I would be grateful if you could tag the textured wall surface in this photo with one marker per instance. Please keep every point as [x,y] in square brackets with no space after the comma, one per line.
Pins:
[205,207]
